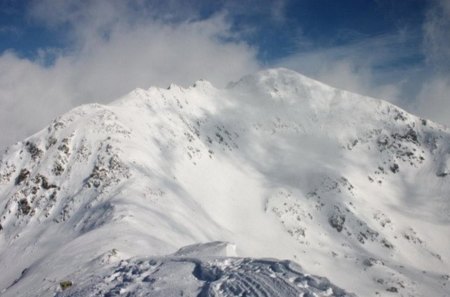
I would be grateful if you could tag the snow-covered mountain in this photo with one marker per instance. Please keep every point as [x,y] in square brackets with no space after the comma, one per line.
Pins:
[276,165]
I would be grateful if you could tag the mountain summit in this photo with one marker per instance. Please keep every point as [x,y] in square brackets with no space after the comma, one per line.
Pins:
[276,165]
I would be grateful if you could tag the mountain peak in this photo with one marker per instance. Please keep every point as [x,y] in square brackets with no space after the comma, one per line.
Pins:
[275,79]
[279,164]
[202,83]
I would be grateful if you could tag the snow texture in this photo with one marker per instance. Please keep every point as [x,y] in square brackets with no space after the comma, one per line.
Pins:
[352,188]
[202,275]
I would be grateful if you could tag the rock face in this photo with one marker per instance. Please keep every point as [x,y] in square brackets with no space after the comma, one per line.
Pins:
[281,165]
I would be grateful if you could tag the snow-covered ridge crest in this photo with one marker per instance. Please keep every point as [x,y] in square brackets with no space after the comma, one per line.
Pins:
[198,271]
[279,164]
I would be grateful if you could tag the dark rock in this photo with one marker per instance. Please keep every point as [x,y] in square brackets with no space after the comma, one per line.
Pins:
[399,115]
[337,221]
[41,180]
[369,262]
[65,285]
[24,206]
[58,169]
[442,174]
[24,173]
[64,148]
[394,168]
[411,135]
[34,151]
[51,141]
[387,244]
[392,290]
[45,184]
[219,137]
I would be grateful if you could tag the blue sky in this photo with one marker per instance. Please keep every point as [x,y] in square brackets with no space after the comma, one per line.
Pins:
[289,27]
[57,54]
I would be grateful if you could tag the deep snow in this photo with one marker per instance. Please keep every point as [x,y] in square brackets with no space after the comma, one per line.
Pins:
[352,188]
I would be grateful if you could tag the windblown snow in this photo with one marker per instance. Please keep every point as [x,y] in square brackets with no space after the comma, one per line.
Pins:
[251,190]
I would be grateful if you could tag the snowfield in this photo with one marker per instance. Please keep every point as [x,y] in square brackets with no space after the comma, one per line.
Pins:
[351,188]
[200,274]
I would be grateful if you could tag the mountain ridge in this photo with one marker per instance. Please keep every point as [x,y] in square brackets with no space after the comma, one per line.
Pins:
[275,159]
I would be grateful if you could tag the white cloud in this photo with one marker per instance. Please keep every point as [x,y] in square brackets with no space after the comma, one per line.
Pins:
[30,95]
[433,99]
[437,35]
[373,66]
[112,53]
[115,46]
[358,66]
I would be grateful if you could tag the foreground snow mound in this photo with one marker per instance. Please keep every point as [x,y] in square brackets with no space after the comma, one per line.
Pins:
[203,276]
[282,165]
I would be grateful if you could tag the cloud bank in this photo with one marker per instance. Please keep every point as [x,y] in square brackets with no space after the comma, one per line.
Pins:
[114,48]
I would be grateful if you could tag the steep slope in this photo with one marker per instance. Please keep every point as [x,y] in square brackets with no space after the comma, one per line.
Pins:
[281,165]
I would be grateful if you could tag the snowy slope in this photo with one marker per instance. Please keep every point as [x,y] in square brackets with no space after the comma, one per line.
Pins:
[197,273]
[352,188]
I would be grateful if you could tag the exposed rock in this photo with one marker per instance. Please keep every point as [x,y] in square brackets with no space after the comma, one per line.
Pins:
[23,175]
[58,168]
[24,206]
[337,221]
[44,182]
[34,151]
[392,289]
[394,168]
[65,285]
